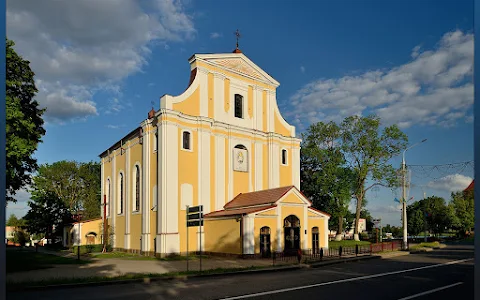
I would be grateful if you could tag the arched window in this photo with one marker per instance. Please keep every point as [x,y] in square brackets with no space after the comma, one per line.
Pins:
[315,240]
[137,188]
[265,241]
[107,204]
[186,140]
[284,157]
[238,106]
[120,196]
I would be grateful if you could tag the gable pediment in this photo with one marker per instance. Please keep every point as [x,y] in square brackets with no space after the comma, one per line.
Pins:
[237,63]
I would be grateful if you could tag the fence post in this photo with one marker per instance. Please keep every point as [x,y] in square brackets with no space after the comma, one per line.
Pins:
[340,251]
[356,250]
[321,253]
[78,252]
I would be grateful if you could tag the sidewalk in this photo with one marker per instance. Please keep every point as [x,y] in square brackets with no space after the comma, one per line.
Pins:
[116,267]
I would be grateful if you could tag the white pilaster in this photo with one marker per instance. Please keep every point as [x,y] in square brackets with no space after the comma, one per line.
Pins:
[248,234]
[203,83]
[306,230]
[325,233]
[219,97]
[296,167]
[167,213]
[204,161]
[279,229]
[113,199]
[128,198]
[102,192]
[258,166]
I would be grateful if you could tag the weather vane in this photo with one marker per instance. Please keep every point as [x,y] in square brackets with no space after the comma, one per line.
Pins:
[237,34]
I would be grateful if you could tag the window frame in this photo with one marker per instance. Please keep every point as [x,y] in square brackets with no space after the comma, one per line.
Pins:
[241,109]
[284,150]
[190,142]
[121,191]
[137,187]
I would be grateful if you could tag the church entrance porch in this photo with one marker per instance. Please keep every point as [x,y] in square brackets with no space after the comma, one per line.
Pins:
[291,232]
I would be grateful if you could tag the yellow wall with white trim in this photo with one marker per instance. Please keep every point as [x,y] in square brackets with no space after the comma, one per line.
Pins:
[223,236]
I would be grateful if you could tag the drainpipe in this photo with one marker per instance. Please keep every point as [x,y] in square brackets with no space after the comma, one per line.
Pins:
[241,235]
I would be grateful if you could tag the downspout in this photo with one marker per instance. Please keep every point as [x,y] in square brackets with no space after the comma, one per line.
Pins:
[241,236]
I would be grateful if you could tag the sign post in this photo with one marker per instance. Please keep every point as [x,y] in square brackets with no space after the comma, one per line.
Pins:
[195,219]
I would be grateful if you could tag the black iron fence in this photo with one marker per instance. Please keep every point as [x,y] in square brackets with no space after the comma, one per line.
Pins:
[312,255]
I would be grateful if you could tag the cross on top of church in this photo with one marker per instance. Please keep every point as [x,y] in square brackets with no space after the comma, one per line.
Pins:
[237,34]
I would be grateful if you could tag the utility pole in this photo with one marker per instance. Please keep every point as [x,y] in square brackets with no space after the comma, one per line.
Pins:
[404,196]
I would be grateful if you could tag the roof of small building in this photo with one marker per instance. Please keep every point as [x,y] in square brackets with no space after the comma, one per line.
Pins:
[236,212]
[470,187]
[263,197]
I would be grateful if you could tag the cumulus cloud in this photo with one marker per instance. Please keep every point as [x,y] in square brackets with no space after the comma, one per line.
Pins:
[215,35]
[389,209]
[451,183]
[82,47]
[434,88]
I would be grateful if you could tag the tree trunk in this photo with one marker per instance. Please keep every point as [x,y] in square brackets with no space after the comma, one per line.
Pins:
[357,217]
[340,229]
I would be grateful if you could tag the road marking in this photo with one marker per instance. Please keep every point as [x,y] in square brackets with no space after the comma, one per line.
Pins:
[345,280]
[431,291]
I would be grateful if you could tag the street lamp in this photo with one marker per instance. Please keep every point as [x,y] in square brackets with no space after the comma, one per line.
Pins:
[404,194]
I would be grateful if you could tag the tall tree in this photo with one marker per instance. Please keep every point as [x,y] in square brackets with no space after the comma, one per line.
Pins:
[463,211]
[76,184]
[368,152]
[46,211]
[416,217]
[24,123]
[326,179]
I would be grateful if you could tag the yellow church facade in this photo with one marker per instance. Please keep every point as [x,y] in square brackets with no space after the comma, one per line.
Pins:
[222,144]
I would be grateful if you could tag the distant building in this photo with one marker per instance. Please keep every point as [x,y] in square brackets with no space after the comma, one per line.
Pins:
[88,232]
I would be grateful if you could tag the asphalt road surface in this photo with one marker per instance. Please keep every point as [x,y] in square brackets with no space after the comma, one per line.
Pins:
[442,274]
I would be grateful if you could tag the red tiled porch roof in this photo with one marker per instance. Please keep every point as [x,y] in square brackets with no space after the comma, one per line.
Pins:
[236,212]
[264,197]
[470,187]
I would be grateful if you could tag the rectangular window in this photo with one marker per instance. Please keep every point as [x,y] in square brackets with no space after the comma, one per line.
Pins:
[155,142]
[238,106]
[284,156]
[186,140]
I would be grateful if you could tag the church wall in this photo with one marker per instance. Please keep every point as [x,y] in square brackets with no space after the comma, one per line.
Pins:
[190,106]
[222,236]
[120,167]
[213,175]
[286,170]
[279,127]
[261,222]
[322,229]
[187,185]
[135,157]
[266,169]
[211,96]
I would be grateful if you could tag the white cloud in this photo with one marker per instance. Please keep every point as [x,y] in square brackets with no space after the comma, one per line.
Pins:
[451,183]
[302,69]
[215,35]
[82,47]
[113,126]
[388,209]
[434,88]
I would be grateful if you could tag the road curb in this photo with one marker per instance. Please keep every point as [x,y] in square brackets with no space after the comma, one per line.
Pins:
[151,279]
[344,260]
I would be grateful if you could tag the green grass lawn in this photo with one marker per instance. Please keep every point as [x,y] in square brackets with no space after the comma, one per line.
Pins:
[347,243]
[131,256]
[22,260]
[425,245]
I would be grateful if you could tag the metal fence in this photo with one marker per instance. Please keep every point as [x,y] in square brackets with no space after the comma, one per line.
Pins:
[311,255]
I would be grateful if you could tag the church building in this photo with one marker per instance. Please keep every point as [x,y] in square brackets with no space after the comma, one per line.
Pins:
[222,144]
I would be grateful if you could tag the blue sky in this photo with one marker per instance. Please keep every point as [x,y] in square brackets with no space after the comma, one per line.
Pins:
[100,65]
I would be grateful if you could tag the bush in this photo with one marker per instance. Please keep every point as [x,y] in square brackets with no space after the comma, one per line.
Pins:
[90,248]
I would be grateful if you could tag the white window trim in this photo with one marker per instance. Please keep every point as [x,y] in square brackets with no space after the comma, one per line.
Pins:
[191,140]
[119,193]
[243,106]
[155,141]
[286,157]
[134,188]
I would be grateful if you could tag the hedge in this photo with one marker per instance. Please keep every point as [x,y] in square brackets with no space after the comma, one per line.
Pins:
[90,248]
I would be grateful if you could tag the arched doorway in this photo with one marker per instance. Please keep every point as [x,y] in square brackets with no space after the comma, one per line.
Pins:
[315,241]
[265,241]
[291,231]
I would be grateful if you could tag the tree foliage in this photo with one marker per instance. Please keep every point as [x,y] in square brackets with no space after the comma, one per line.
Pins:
[431,213]
[462,209]
[368,152]
[46,211]
[326,179]
[14,221]
[24,123]
[77,185]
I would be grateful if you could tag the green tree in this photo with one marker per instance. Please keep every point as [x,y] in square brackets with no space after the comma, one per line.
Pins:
[462,211]
[438,216]
[368,153]
[416,217]
[46,211]
[76,184]
[24,123]
[326,179]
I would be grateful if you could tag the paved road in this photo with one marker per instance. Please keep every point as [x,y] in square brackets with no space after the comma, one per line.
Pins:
[441,274]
